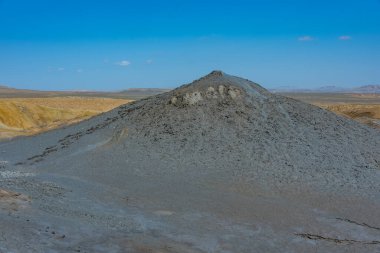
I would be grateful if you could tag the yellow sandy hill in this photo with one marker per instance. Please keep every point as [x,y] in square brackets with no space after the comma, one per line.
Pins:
[27,116]
[365,113]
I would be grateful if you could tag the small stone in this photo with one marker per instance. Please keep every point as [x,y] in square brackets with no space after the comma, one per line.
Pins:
[221,90]
[234,93]
[211,93]
[193,98]
[173,100]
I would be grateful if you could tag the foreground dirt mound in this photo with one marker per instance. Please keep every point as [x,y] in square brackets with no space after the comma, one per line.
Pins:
[218,165]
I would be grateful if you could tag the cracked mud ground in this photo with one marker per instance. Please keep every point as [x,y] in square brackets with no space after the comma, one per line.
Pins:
[219,165]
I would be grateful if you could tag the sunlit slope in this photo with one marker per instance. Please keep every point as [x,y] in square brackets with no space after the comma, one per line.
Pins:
[26,116]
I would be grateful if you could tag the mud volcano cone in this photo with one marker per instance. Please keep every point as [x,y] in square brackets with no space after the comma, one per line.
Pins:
[218,165]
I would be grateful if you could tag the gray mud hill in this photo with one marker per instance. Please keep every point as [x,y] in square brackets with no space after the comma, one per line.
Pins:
[218,165]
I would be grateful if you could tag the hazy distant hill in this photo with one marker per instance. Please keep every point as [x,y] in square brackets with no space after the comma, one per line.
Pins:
[138,93]
[330,89]
[133,93]
[367,89]
[142,92]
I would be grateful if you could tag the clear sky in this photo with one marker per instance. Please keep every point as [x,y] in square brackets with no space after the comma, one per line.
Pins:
[115,44]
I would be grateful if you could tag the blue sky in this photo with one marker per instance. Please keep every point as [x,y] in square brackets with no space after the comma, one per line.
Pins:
[113,45]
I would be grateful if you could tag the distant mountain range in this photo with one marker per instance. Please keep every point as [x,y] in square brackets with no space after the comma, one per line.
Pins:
[368,89]
[331,89]
[136,93]
[3,87]
[144,91]
[133,93]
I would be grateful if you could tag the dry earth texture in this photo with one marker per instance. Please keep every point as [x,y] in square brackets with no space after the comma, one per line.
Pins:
[27,116]
[218,165]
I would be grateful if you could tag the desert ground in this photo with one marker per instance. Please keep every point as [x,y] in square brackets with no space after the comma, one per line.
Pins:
[26,112]
[217,165]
